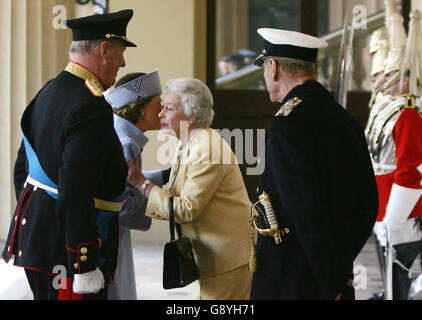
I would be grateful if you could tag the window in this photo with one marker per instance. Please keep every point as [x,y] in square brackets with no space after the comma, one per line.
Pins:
[237,43]
[237,40]
[241,99]
[370,15]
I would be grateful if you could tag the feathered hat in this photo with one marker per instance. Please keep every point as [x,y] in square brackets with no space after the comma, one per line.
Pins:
[391,8]
[378,48]
[379,42]
[397,40]
[413,55]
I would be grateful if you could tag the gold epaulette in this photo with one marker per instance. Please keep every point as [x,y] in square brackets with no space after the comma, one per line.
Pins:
[288,107]
[91,81]
[95,87]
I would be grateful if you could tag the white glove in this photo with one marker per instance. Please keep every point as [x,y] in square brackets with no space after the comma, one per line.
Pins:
[400,205]
[380,230]
[392,224]
[404,232]
[89,282]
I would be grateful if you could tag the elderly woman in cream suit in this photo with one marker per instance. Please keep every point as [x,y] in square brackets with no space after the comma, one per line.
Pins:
[210,199]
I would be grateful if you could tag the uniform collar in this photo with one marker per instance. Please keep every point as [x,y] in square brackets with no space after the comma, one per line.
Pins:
[90,79]
[128,129]
[306,88]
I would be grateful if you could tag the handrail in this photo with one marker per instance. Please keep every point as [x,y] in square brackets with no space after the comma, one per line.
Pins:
[239,76]
[377,18]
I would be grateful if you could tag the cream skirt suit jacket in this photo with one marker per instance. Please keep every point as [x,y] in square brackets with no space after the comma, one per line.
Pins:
[210,202]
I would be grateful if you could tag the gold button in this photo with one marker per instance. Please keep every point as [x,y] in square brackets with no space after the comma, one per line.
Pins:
[23,221]
[20,253]
[8,248]
[84,250]
[76,265]
[84,258]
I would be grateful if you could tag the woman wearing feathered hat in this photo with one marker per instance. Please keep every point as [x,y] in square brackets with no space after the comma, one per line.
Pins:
[136,103]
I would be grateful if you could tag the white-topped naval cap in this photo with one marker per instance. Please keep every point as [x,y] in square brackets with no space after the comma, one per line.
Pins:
[147,85]
[289,44]
[293,38]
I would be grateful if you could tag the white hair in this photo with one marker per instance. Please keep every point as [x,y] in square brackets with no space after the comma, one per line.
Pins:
[294,67]
[86,46]
[196,97]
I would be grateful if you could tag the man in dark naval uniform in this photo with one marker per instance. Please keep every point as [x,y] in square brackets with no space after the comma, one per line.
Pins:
[70,171]
[318,181]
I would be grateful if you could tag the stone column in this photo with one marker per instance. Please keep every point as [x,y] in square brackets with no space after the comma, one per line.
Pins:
[32,51]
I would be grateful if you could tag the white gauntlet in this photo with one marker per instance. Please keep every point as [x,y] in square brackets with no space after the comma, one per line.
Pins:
[89,282]
[400,205]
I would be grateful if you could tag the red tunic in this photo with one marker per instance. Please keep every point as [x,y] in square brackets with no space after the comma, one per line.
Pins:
[407,134]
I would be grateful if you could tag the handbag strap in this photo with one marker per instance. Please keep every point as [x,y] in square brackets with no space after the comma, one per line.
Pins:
[172,224]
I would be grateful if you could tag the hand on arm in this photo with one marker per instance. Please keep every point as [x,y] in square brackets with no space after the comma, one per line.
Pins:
[137,179]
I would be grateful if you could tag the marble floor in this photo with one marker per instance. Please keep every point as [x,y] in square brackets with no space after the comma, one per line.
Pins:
[148,263]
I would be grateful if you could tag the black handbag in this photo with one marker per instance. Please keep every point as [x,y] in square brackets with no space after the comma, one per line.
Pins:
[179,266]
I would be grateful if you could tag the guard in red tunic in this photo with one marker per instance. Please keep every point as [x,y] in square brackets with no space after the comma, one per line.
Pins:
[378,50]
[395,141]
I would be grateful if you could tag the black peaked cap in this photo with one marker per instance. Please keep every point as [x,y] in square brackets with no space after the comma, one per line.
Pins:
[102,26]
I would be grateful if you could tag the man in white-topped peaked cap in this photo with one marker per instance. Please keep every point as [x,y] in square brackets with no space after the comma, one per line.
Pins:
[318,178]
